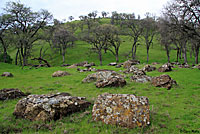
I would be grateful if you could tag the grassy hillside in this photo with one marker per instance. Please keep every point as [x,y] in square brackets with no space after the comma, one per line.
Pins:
[81,52]
[172,111]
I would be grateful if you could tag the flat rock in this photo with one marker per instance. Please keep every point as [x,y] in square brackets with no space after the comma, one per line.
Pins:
[6,94]
[125,110]
[60,74]
[148,68]
[112,64]
[155,63]
[165,68]
[163,81]
[7,74]
[72,66]
[141,78]
[49,107]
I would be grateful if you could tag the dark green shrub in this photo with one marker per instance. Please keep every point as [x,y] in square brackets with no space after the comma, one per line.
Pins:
[8,58]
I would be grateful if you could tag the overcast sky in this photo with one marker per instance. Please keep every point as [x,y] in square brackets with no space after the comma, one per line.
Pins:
[62,9]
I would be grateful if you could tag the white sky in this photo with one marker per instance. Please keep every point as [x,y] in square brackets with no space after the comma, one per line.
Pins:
[62,9]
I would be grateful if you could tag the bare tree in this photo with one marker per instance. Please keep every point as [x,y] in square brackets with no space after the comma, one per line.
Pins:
[25,26]
[104,14]
[133,28]
[62,39]
[149,31]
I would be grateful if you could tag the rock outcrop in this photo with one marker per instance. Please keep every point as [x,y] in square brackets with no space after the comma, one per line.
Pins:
[141,78]
[148,68]
[163,81]
[129,63]
[106,78]
[7,74]
[60,74]
[49,107]
[12,93]
[165,68]
[124,110]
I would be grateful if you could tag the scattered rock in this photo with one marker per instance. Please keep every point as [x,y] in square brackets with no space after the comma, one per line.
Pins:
[65,65]
[114,81]
[141,78]
[72,66]
[148,68]
[129,63]
[175,63]
[11,93]
[87,65]
[82,63]
[119,65]
[155,63]
[125,110]
[92,64]
[163,81]
[165,68]
[49,107]
[7,74]
[86,69]
[60,74]
[135,71]
[106,78]
[112,64]
[184,65]
[197,66]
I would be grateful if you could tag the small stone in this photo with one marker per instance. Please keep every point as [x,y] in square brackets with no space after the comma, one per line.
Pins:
[60,74]
[7,74]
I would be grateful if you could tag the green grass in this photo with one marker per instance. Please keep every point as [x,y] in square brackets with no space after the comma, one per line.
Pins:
[172,111]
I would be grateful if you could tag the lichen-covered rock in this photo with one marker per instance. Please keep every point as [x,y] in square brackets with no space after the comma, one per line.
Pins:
[124,110]
[49,107]
[163,81]
[165,68]
[135,71]
[197,66]
[129,63]
[106,78]
[148,68]
[114,81]
[60,74]
[7,74]
[12,93]
[141,78]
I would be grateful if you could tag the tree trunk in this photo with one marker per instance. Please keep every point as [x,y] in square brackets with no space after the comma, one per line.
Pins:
[168,56]
[100,58]
[4,54]
[185,54]
[63,54]
[117,55]
[16,57]
[196,54]
[147,54]
[177,54]
[135,51]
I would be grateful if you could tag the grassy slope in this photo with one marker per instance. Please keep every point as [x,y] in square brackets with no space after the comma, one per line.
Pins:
[172,111]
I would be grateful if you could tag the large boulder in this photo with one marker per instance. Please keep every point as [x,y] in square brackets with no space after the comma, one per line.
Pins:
[124,110]
[60,74]
[49,107]
[148,68]
[114,81]
[7,74]
[12,93]
[129,63]
[141,78]
[135,71]
[106,78]
[165,68]
[163,81]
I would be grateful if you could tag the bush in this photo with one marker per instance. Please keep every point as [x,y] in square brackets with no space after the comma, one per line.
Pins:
[8,58]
